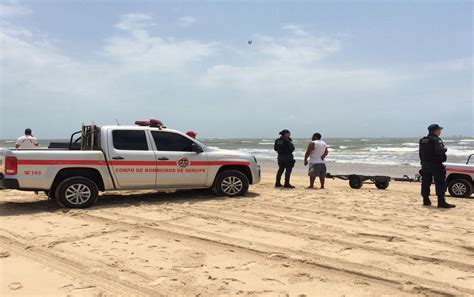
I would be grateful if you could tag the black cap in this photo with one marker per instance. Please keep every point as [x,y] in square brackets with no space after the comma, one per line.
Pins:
[434,127]
[284,131]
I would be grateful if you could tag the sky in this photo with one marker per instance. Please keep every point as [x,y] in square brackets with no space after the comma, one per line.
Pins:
[342,68]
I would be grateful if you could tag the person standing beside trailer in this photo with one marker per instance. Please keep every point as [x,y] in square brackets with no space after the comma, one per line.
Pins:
[27,141]
[285,148]
[316,153]
[432,155]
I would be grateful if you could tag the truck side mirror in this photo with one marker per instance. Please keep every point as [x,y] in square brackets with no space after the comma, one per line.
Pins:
[196,148]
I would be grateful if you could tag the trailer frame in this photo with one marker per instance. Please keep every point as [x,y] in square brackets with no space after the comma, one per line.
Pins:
[381,182]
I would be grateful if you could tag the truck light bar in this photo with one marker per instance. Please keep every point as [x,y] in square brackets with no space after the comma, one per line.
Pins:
[150,123]
[142,123]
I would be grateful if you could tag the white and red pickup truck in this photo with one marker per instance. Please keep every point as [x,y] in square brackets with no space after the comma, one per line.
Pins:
[460,178]
[145,156]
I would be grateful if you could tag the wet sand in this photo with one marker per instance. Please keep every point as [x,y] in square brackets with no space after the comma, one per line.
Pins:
[273,242]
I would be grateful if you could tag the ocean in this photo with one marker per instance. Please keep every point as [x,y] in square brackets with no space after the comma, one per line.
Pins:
[387,156]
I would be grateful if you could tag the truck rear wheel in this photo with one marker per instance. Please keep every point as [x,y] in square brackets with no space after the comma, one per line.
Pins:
[460,188]
[231,183]
[77,192]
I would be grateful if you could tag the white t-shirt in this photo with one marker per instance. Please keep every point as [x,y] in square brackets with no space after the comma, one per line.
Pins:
[27,142]
[319,150]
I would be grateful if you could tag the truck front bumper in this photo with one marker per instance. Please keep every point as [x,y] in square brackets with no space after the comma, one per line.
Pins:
[257,175]
[8,183]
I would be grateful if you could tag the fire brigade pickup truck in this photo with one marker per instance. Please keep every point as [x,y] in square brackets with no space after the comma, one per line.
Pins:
[460,178]
[145,156]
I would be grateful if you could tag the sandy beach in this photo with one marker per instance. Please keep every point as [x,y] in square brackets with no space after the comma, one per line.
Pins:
[272,242]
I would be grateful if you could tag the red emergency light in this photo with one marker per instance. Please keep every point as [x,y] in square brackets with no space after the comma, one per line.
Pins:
[156,123]
[142,123]
[150,123]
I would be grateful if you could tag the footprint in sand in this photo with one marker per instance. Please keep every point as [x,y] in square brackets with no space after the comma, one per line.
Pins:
[4,254]
[228,280]
[15,286]
[158,281]
[273,280]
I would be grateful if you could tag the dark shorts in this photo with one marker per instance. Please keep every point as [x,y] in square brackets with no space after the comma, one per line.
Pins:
[318,169]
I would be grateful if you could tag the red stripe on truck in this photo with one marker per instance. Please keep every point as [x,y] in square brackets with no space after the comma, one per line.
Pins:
[128,163]
[218,163]
[134,163]
[460,170]
[61,162]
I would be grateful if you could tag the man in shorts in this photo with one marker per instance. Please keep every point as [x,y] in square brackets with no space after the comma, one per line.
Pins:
[316,153]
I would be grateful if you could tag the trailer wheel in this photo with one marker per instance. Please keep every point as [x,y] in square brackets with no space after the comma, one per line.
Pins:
[76,192]
[382,185]
[355,182]
[460,188]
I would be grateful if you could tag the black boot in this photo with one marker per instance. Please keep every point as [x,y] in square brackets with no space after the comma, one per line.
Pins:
[426,201]
[443,204]
[288,186]
[278,184]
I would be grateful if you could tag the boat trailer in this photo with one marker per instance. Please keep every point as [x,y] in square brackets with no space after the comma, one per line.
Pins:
[356,181]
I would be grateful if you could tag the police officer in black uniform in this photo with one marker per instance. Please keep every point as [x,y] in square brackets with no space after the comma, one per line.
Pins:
[285,148]
[432,156]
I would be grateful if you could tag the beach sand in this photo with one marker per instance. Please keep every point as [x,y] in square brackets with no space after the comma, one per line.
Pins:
[272,242]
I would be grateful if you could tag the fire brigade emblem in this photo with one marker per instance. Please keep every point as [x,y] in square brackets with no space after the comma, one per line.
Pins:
[183,162]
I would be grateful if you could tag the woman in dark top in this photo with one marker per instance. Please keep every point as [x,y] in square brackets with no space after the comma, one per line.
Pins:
[285,148]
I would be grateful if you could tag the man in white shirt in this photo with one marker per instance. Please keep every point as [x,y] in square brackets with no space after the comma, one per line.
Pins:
[316,153]
[27,141]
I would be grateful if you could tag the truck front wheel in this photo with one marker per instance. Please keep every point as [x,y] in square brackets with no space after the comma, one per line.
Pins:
[76,192]
[460,188]
[231,183]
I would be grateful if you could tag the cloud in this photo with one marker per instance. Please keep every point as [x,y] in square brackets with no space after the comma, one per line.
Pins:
[450,65]
[133,68]
[13,8]
[138,73]
[186,21]
[141,49]
[135,22]
[293,61]
[295,29]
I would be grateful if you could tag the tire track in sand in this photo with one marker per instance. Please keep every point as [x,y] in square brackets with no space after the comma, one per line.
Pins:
[385,277]
[226,217]
[75,269]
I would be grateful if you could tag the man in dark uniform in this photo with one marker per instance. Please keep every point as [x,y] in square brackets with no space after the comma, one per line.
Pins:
[285,148]
[432,156]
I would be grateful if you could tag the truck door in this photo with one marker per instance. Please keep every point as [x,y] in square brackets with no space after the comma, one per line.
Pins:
[178,164]
[133,162]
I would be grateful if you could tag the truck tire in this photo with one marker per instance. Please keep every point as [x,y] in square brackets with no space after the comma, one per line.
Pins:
[231,183]
[355,182]
[382,185]
[460,188]
[76,192]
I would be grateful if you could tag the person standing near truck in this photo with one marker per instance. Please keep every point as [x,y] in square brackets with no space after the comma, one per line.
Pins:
[432,156]
[285,148]
[27,141]
[316,153]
